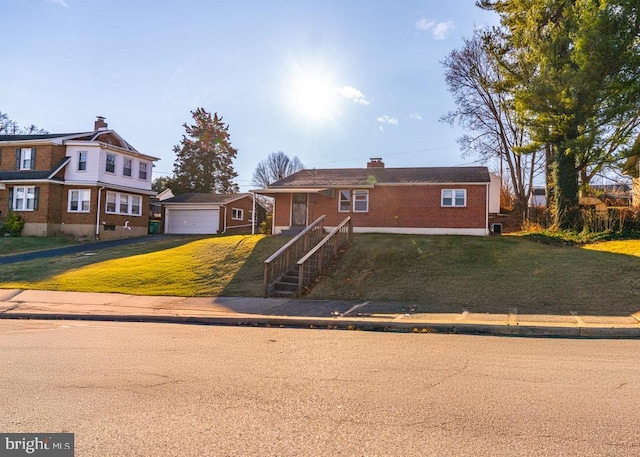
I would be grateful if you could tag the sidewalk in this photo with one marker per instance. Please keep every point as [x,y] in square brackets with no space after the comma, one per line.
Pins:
[299,313]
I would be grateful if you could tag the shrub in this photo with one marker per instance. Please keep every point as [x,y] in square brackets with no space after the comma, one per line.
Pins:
[265,226]
[14,225]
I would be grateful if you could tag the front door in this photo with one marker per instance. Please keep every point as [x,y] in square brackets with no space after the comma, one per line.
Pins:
[299,210]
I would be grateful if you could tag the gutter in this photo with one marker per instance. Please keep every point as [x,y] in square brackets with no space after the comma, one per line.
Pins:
[224,222]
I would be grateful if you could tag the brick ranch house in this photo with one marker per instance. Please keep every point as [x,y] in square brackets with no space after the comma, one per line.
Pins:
[89,184]
[435,200]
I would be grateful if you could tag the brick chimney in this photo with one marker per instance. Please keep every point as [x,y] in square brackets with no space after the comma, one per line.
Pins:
[100,124]
[375,162]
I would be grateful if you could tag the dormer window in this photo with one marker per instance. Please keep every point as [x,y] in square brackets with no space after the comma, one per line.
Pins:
[82,161]
[25,158]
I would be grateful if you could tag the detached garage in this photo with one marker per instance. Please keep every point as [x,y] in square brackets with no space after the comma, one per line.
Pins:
[210,214]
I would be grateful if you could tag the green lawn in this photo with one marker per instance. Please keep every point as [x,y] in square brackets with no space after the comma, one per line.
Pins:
[431,273]
[16,244]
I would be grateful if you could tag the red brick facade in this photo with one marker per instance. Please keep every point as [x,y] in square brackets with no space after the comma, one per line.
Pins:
[396,207]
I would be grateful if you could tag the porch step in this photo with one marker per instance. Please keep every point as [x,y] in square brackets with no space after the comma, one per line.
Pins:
[286,285]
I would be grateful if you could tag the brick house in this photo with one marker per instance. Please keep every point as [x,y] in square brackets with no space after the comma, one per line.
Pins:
[436,200]
[210,214]
[89,184]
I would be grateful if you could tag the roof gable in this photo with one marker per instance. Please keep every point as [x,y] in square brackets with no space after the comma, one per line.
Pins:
[219,199]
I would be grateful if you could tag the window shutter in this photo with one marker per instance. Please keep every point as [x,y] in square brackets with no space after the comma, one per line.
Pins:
[33,159]
[36,198]
[10,198]
[18,159]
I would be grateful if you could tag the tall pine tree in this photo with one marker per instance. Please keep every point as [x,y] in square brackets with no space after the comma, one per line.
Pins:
[204,157]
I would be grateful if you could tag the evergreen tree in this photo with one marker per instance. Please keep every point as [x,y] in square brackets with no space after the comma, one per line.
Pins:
[204,157]
[585,81]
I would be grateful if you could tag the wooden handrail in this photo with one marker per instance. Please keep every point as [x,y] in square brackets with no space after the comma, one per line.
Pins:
[292,241]
[323,242]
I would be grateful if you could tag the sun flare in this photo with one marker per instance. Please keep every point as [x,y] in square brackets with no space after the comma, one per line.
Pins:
[313,95]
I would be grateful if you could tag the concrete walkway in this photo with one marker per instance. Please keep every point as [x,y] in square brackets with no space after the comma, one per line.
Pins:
[298,313]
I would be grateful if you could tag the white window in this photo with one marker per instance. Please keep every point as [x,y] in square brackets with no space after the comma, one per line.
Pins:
[360,201]
[237,214]
[26,158]
[356,199]
[454,197]
[126,167]
[24,198]
[82,161]
[111,163]
[79,201]
[344,205]
[142,172]
[119,203]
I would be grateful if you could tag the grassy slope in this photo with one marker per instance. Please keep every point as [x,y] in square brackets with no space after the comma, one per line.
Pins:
[433,273]
[490,274]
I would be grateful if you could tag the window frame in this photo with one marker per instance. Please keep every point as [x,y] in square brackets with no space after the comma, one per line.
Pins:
[116,201]
[82,164]
[21,193]
[144,172]
[237,214]
[453,197]
[84,196]
[109,165]
[350,201]
[22,159]
[127,170]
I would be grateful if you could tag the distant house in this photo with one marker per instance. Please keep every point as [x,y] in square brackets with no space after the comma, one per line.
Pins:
[434,200]
[538,198]
[90,184]
[210,214]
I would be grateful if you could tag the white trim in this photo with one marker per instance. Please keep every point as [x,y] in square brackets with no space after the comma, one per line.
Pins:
[404,230]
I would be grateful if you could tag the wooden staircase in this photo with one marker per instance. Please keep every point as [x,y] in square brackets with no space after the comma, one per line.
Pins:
[295,266]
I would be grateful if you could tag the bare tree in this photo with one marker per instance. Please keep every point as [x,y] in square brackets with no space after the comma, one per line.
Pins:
[275,167]
[486,109]
[10,127]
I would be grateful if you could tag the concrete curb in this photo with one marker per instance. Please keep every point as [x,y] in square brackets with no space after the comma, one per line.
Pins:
[532,331]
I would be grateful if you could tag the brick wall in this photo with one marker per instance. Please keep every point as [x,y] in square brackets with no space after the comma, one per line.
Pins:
[47,156]
[246,205]
[398,207]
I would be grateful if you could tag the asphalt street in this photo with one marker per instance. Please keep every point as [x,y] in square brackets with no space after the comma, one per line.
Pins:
[138,389]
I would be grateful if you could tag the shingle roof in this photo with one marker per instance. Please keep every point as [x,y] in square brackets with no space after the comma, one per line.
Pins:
[204,198]
[47,136]
[33,175]
[336,177]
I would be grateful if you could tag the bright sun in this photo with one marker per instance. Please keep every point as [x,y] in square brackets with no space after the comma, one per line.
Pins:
[313,95]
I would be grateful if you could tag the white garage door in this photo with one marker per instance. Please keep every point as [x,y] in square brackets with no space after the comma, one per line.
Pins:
[193,221]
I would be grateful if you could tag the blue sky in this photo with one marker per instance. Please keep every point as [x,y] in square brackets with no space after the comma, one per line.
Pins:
[332,82]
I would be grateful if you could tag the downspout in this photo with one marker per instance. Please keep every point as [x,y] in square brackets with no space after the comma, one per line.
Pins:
[98,212]
[486,210]
[224,222]
[253,218]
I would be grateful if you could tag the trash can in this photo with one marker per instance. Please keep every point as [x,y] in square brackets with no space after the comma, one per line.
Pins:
[154,227]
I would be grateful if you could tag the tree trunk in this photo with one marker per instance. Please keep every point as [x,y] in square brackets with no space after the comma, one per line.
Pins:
[565,209]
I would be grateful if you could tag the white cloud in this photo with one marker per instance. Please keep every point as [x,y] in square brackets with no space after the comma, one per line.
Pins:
[439,30]
[387,120]
[59,2]
[354,94]
[415,117]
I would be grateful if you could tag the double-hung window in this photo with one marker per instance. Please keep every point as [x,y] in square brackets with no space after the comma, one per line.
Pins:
[82,161]
[111,163]
[127,165]
[142,171]
[24,198]
[454,197]
[237,214]
[353,200]
[25,158]
[79,200]
[126,204]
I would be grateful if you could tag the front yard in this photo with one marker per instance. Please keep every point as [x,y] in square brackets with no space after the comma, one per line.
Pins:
[432,273]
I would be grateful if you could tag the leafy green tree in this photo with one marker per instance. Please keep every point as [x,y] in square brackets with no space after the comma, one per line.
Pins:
[204,157]
[275,167]
[573,68]
[161,183]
